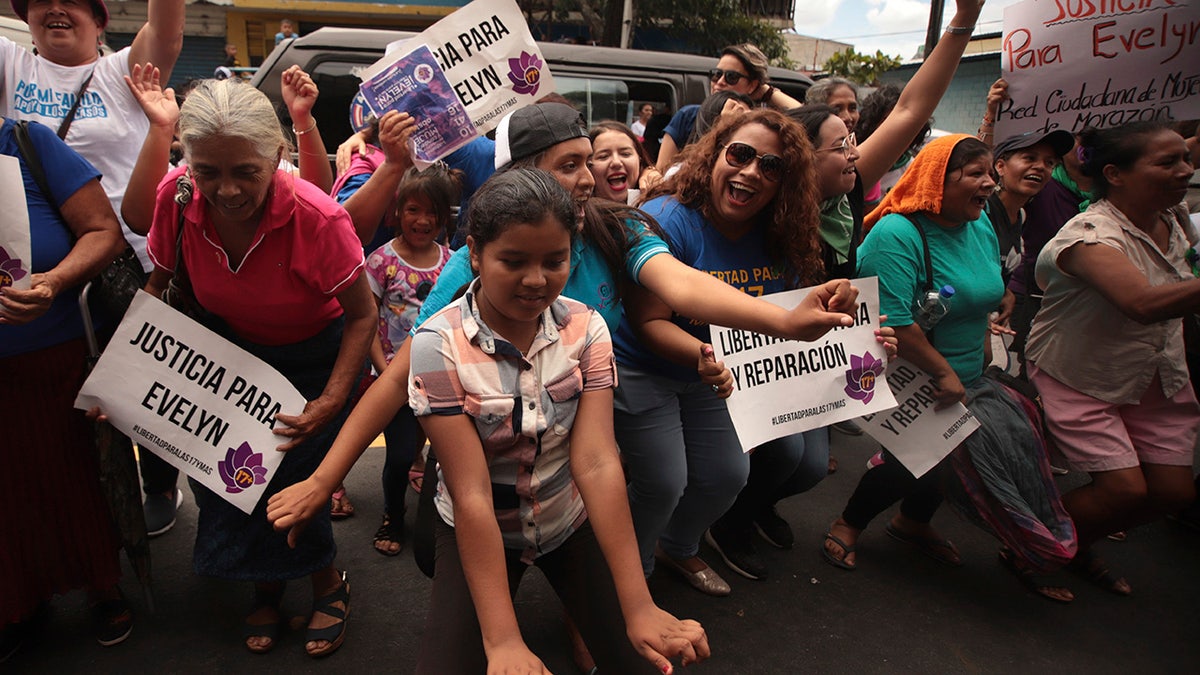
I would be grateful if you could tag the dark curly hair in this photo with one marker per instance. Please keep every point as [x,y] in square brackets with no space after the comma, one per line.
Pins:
[790,220]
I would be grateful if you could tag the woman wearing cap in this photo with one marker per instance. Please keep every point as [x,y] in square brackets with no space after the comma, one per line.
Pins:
[741,69]
[1106,350]
[936,209]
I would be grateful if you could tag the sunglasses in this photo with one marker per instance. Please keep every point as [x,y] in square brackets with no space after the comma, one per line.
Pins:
[739,155]
[732,77]
[847,146]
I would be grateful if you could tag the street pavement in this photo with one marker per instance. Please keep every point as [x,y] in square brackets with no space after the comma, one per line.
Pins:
[900,612]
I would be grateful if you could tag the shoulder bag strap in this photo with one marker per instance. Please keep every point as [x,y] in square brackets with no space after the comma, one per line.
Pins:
[66,123]
[33,162]
[924,251]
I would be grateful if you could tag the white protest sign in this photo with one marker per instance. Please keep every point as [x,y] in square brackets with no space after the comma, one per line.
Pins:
[16,260]
[783,387]
[913,431]
[1072,64]
[193,398]
[488,55]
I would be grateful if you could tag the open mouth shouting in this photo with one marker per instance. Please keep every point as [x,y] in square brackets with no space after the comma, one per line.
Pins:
[740,194]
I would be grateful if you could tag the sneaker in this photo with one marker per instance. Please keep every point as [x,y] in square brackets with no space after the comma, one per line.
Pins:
[112,621]
[876,460]
[737,550]
[848,427]
[160,512]
[772,527]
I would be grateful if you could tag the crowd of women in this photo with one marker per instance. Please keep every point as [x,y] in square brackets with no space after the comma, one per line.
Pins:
[559,361]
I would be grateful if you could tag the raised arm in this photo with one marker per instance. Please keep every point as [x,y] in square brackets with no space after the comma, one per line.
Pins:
[300,95]
[919,98]
[1111,273]
[369,204]
[161,38]
[153,162]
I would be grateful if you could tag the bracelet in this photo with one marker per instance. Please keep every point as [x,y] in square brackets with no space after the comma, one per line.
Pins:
[306,131]
[987,121]
[985,133]
[766,97]
[960,30]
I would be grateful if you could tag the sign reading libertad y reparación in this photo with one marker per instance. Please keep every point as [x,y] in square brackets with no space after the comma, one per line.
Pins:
[193,398]
[784,387]
[1072,64]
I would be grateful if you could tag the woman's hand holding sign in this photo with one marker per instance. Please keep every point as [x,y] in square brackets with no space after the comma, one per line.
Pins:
[317,413]
[714,373]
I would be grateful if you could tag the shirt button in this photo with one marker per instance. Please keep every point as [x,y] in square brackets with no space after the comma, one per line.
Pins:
[526,366]
[532,405]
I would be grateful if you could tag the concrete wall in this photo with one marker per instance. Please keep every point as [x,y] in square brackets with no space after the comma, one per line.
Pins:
[962,107]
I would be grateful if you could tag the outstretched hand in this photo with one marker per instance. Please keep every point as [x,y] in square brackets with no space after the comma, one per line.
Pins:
[659,637]
[827,306]
[293,508]
[159,104]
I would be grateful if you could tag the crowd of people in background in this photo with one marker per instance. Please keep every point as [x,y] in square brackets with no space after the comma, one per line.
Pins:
[527,325]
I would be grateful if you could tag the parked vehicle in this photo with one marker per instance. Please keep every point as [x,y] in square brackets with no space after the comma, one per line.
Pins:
[17,31]
[604,82]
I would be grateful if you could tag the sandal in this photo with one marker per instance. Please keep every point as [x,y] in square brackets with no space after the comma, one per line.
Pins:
[1039,584]
[263,599]
[340,507]
[390,532]
[941,550]
[416,478]
[1091,567]
[847,549]
[336,633]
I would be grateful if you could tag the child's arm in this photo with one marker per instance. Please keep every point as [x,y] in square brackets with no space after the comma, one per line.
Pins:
[300,95]
[153,162]
[466,476]
[656,635]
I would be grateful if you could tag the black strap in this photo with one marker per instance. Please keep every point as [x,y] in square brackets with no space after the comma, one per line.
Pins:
[924,250]
[66,123]
[33,162]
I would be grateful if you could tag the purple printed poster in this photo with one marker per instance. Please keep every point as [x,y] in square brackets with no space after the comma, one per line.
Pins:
[414,83]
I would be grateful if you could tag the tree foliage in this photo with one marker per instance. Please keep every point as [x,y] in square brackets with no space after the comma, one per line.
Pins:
[701,26]
[861,68]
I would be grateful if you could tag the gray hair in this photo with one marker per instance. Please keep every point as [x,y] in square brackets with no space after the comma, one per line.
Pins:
[823,89]
[231,108]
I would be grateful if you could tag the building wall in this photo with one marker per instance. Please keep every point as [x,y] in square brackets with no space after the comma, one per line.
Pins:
[962,107]
[811,53]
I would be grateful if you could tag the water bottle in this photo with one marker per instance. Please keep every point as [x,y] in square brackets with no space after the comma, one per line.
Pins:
[933,307]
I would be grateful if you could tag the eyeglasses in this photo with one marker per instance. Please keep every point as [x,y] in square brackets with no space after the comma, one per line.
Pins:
[732,77]
[847,146]
[739,155]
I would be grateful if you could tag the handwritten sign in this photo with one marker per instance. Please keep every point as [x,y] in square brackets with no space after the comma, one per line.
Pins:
[415,84]
[16,260]
[489,57]
[1072,64]
[917,434]
[783,387]
[193,398]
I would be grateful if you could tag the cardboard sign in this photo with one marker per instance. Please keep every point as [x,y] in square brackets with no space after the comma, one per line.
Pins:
[414,83]
[489,57]
[193,398]
[1072,64]
[913,431]
[16,259]
[783,387]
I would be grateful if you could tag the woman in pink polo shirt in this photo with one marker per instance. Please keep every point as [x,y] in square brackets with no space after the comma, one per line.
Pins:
[275,263]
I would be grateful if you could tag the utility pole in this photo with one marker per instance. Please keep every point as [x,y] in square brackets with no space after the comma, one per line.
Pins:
[934,30]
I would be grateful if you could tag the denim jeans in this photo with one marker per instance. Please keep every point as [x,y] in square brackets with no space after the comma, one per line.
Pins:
[684,461]
[779,469]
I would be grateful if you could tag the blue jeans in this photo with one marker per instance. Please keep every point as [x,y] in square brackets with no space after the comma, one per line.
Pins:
[779,469]
[684,461]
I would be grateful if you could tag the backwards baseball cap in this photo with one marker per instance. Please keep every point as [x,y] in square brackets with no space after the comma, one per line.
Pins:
[21,8]
[1061,141]
[536,128]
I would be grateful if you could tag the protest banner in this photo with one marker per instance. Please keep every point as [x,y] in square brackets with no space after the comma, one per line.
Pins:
[193,398]
[913,431]
[414,83]
[16,259]
[1072,64]
[489,57]
[783,387]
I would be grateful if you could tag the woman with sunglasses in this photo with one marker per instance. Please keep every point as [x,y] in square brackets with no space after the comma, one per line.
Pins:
[742,69]
[743,208]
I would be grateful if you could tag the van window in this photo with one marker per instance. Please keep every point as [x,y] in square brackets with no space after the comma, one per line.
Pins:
[603,99]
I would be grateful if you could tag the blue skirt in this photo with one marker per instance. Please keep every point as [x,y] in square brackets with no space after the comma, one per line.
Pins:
[233,545]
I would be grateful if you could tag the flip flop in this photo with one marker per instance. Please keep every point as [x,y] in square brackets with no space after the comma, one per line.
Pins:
[1034,582]
[1091,567]
[941,550]
[846,550]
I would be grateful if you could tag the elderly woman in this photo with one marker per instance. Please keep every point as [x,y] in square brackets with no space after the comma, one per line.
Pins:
[277,265]
[57,533]
[1106,350]
[933,223]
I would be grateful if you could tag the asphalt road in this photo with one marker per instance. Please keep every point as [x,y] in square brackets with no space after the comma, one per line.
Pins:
[900,612]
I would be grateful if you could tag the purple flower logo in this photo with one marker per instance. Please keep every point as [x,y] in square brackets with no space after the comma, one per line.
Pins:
[525,73]
[10,269]
[860,379]
[242,469]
